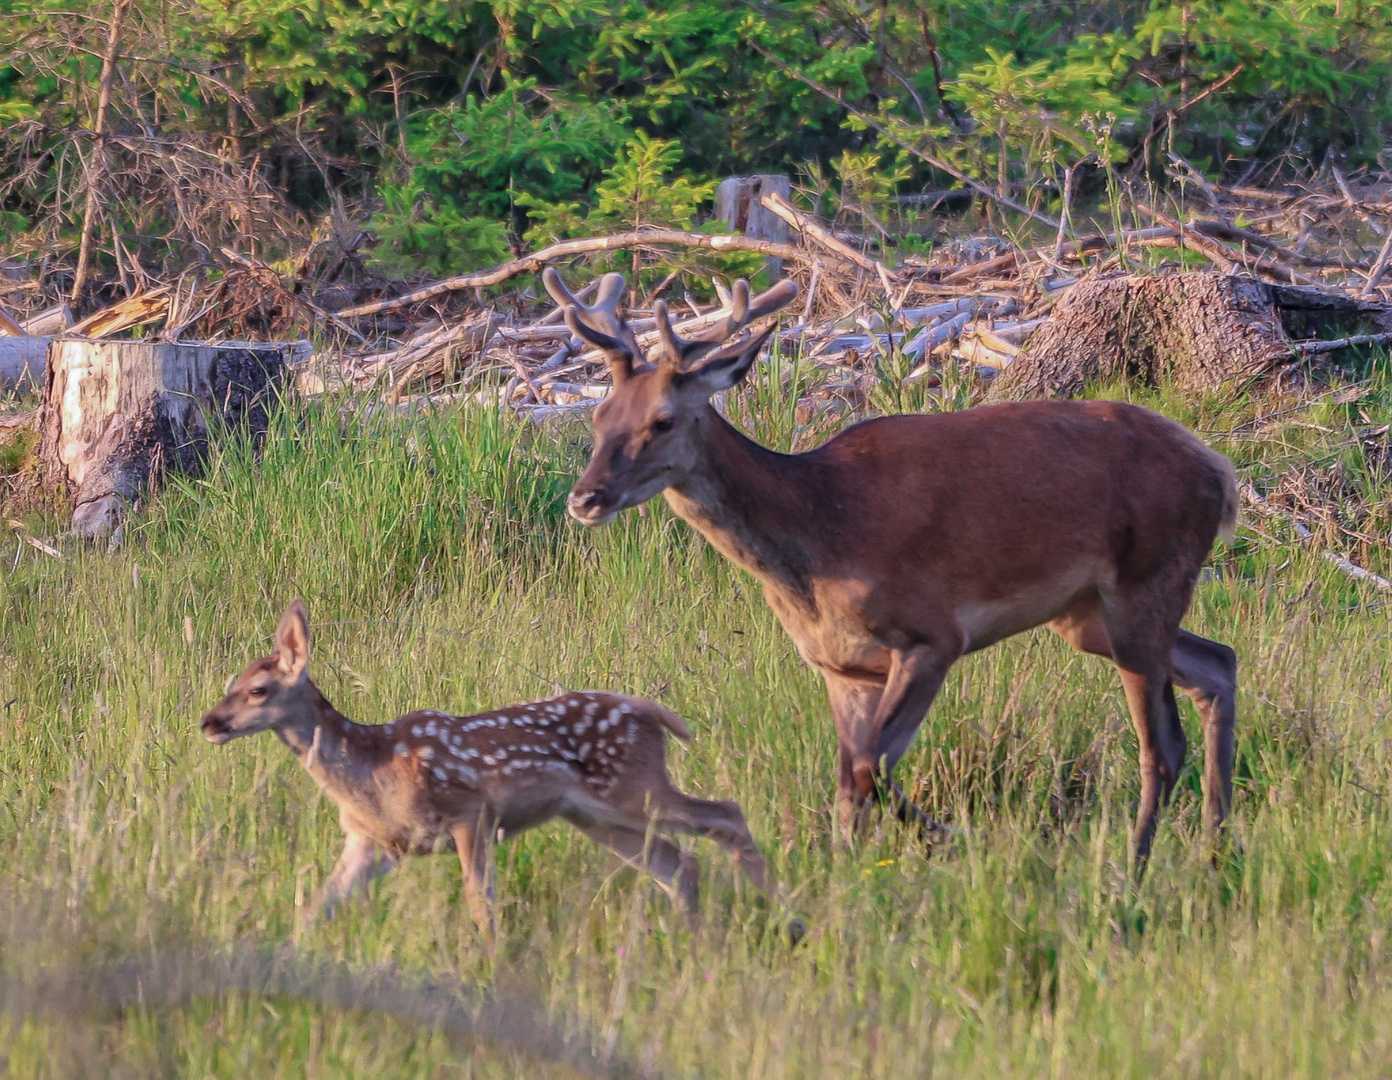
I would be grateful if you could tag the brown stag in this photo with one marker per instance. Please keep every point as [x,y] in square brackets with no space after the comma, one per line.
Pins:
[906,542]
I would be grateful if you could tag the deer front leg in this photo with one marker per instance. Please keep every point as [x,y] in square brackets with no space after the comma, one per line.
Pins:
[876,745]
[853,705]
[356,867]
[473,840]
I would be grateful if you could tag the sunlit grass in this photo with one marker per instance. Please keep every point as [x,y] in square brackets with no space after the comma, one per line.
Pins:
[440,571]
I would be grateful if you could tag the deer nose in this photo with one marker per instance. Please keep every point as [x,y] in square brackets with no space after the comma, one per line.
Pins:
[213,726]
[586,504]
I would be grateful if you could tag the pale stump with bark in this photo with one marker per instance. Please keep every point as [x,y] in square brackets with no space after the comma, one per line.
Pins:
[116,414]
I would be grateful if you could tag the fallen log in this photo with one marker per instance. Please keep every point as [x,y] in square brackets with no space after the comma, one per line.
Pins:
[1073,249]
[531,264]
[809,228]
[133,311]
[116,414]
[1225,258]
[55,320]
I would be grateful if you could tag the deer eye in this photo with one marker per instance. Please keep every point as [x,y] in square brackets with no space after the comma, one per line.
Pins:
[257,691]
[663,423]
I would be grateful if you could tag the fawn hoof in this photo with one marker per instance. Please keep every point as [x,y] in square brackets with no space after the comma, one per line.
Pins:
[796,930]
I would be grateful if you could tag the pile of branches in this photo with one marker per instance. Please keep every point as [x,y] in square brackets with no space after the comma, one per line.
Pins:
[975,304]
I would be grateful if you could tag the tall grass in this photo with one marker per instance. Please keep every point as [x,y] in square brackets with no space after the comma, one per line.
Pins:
[439,570]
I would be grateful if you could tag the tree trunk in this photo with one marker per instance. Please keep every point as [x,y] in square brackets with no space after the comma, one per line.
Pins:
[1195,332]
[117,413]
[737,203]
[96,163]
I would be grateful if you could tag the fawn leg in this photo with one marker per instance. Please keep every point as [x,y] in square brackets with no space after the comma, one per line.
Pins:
[720,820]
[473,841]
[356,867]
[676,871]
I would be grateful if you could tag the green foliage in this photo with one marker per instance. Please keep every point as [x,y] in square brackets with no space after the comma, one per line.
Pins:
[515,110]
[641,190]
[638,190]
[417,234]
[479,154]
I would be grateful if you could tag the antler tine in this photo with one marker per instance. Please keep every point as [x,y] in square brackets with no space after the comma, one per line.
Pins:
[770,300]
[679,352]
[599,323]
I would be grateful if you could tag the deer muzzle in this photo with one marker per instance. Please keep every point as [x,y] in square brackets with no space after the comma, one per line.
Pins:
[590,506]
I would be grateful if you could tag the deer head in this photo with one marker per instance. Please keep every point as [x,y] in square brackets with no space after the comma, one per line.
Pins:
[647,429]
[271,692]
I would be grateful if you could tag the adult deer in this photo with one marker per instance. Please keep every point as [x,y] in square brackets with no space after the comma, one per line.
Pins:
[906,542]
[430,782]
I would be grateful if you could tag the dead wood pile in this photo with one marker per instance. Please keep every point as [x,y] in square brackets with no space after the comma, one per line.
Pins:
[1287,278]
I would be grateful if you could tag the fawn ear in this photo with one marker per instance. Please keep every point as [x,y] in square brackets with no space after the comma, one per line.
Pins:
[292,640]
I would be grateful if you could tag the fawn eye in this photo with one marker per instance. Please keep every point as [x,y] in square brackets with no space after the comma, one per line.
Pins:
[257,691]
[662,423]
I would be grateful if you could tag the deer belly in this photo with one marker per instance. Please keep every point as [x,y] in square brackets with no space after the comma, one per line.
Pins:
[988,621]
[843,651]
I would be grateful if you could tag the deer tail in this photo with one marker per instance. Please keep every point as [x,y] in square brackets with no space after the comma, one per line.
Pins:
[1227,523]
[670,720]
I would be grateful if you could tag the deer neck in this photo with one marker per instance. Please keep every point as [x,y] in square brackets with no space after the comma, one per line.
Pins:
[751,503]
[330,746]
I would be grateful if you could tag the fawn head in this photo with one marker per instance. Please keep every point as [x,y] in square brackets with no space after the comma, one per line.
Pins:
[271,691]
[646,429]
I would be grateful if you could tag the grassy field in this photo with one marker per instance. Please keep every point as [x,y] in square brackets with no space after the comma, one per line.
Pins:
[149,882]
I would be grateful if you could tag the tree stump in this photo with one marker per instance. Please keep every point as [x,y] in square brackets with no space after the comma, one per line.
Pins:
[737,205]
[1195,332]
[116,414]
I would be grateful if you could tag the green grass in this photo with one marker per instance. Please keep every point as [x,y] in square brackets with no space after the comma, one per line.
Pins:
[440,571]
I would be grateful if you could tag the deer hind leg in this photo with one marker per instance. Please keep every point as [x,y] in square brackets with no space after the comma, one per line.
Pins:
[1142,632]
[473,842]
[677,872]
[1207,672]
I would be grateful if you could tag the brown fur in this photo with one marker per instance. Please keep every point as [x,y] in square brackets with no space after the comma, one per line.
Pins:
[429,781]
[908,541]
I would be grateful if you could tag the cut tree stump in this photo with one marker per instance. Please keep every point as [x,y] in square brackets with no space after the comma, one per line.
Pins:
[1195,332]
[737,203]
[116,414]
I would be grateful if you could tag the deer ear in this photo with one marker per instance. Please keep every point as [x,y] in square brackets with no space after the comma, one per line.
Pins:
[292,640]
[725,367]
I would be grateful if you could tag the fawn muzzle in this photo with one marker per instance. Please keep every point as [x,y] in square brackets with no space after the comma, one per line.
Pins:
[216,729]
